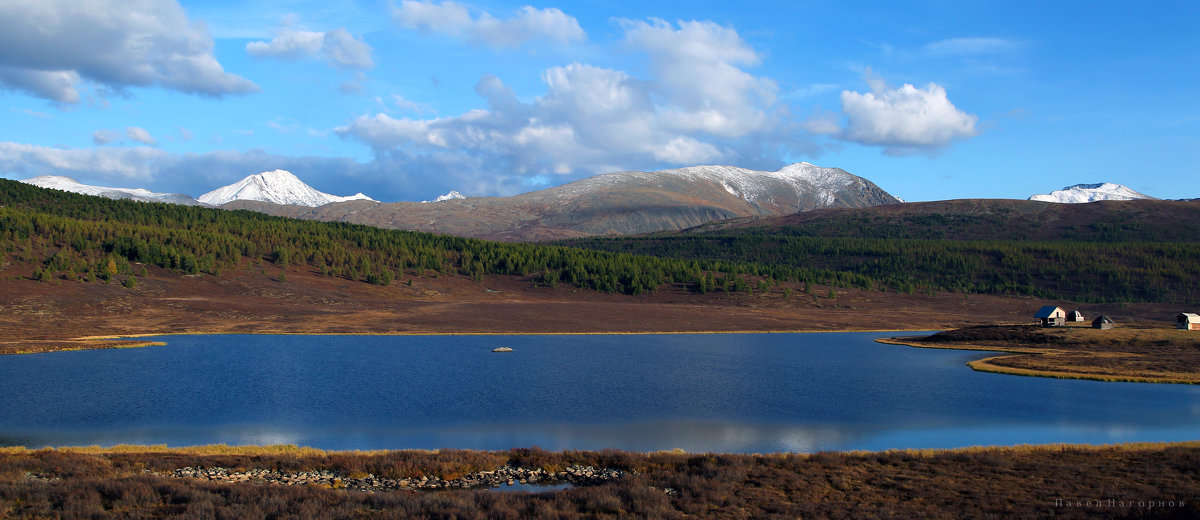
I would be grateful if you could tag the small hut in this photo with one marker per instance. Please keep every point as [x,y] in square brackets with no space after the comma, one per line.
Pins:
[1102,323]
[1075,316]
[1187,321]
[1051,316]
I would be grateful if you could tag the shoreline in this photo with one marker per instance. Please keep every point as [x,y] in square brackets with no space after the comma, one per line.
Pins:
[988,364]
[257,450]
[407,333]
[129,341]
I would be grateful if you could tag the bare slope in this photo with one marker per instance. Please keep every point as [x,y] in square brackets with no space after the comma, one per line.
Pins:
[616,203]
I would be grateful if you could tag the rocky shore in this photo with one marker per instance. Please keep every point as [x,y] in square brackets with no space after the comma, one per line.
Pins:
[505,475]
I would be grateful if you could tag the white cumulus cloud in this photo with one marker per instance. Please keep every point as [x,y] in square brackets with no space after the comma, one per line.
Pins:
[115,163]
[697,104]
[49,47]
[337,47]
[903,120]
[140,135]
[103,137]
[454,19]
[699,68]
[588,119]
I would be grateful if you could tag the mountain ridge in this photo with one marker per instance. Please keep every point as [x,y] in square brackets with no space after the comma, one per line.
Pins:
[59,182]
[1083,193]
[623,203]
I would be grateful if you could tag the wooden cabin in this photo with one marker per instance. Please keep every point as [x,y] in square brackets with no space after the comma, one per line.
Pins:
[1075,316]
[1051,316]
[1187,321]
[1103,323]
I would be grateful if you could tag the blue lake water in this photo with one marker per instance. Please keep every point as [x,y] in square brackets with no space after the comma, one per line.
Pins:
[702,392]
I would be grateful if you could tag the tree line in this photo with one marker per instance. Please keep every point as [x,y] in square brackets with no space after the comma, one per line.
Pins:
[77,237]
[1076,270]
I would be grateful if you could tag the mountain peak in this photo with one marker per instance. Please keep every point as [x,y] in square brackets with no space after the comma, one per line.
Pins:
[58,182]
[453,195]
[1080,193]
[275,186]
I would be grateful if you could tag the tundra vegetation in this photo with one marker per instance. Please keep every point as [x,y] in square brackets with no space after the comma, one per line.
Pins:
[1063,481]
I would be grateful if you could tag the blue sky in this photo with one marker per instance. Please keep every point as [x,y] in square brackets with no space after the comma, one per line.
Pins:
[409,99]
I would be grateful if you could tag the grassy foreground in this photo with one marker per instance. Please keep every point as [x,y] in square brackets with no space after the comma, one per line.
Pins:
[1130,354]
[1061,481]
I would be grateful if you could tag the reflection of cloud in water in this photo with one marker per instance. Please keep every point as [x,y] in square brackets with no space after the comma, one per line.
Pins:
[665,435]
[265,437]
[691,436]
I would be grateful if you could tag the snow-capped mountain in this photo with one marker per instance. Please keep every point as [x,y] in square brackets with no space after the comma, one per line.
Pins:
[453,195]
[1091,193]
[276,186]
[795,187]
[627,202]
[68,184]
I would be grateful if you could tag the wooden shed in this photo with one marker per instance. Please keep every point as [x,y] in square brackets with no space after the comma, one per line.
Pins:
[1051,316]
[1103,322]
[1187,321]
[1075,316]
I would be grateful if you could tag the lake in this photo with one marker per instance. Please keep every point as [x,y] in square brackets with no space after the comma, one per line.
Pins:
[696,392]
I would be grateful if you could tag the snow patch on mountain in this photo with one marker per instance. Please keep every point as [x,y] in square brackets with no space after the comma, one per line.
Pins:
[276,186]
[753,186]
[1080,193]
[453,195]
[57,182]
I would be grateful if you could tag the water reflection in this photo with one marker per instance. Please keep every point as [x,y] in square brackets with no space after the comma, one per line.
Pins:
[530,488]
[697,393]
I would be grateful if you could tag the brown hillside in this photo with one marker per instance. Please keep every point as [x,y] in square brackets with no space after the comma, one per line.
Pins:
[44,315]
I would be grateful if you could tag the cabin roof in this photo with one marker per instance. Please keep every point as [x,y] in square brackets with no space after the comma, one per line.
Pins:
[1189,317]
[1047,311]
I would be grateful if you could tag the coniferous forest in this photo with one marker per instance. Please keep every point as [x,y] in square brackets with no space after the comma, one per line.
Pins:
[81,238]
[74,237]
[1146,252]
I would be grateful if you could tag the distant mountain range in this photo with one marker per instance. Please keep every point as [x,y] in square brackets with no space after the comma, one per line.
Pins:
[68,184]
[1091,193]
[276,187]
[621,203]
[617,203]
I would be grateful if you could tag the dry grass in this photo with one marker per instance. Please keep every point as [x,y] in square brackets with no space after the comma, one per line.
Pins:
[984,482]
[38,316]
[64,345]
[1129,354]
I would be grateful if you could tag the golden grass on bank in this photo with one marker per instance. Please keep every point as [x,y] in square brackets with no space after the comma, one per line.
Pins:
[987,365]
[984,482]
[1162,355]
